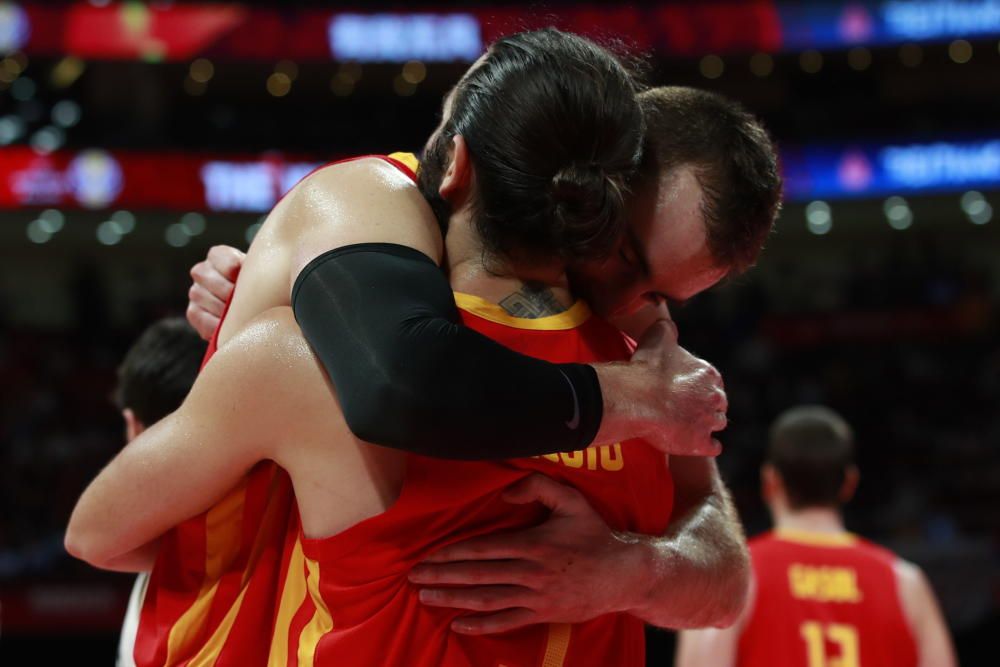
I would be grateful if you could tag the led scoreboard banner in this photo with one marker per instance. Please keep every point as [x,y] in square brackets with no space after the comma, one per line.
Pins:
[877,170]
[183,31]
[99,179]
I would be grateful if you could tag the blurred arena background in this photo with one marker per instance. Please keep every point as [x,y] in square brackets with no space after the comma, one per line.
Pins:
[133,136]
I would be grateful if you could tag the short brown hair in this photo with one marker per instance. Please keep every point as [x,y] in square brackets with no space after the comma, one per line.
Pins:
[812,448]
[159,369]
[734,160]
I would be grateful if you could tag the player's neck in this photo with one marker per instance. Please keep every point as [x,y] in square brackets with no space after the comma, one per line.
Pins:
[524,290]
[808,520]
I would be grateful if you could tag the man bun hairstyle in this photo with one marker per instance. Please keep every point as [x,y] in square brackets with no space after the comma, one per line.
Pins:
[554,133]
[812,448]
[734,160]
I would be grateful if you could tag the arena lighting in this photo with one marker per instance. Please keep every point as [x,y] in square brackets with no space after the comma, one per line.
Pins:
[960,51]
[66,72]
[48,139]
[23,89]
[51,220]
[402,37]
[983,216]
[66,113]
[811,61]
[10,69]
[279,84]
[287,67]
[108,233]
[859,58]
[194,88]
[193,224]
[37,233]
[975,206]
[414,72]
[15,26]
[761,64]
[248,186]
[819,219]
[352,70]
[341,85]
[175,236]
[348,74]
[201,70]
[11,129]
[403,87]
[936,19]
[898,213]
[123,221]
[711,66]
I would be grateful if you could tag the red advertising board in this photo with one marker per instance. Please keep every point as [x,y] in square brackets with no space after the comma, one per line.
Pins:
[181,31]
[98,179]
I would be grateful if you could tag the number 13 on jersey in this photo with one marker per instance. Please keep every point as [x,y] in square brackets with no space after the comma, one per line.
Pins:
[844,637]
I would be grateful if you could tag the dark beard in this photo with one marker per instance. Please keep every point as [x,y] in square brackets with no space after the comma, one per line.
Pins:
[429,175]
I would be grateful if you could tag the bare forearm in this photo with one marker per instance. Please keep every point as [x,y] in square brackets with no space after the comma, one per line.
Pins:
[137,560]
[623,416]
[697,575]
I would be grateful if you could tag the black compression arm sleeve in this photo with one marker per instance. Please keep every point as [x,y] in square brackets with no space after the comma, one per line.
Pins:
[383,321]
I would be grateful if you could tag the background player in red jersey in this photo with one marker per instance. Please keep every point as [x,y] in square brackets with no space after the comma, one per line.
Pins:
[153,379]
[822,597]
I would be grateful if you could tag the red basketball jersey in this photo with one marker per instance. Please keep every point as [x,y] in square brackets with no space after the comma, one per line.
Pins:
[213,593]
[358,607]
[824,600]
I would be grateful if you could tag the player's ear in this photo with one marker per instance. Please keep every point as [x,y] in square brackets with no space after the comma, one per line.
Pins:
[850,485]
[770,482]
[457,179]
[133,425]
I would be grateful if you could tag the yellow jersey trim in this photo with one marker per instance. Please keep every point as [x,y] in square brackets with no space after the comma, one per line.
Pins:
[321,621]
[576,315]
[557,645]
[409,159]
[816,538]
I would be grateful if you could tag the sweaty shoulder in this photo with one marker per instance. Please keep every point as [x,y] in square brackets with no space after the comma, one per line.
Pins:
[367,200]
[269,365]
[361,201]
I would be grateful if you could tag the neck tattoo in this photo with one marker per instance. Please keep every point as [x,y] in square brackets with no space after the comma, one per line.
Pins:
[532,302]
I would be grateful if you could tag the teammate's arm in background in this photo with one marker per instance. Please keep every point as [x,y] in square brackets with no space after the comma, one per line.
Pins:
[384,324]
[934,646]
[713,647]
[236,414]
